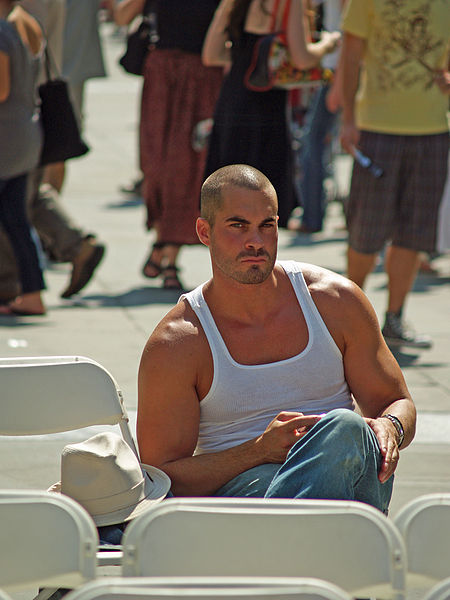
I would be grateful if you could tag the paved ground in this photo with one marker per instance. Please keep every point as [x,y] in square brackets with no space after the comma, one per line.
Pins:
[114,315]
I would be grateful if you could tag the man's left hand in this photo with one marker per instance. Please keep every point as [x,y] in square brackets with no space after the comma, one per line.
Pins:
[387,440]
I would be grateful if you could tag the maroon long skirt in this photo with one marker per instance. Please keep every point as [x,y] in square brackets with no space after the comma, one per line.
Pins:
[178,93]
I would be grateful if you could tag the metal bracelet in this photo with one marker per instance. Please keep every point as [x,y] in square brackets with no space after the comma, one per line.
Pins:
[398,426]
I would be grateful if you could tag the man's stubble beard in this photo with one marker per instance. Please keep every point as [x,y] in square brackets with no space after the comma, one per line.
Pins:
[254,275]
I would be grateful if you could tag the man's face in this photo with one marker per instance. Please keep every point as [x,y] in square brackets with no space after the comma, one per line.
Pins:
[243,239]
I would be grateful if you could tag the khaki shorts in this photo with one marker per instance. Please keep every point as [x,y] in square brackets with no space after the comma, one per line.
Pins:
[401,206]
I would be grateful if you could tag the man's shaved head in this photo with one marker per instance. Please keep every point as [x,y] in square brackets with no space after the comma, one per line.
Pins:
[241,176]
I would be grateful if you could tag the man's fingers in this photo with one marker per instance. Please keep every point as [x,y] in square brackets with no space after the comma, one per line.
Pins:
[287,416]
[305,422]
[388,465]
[388,448]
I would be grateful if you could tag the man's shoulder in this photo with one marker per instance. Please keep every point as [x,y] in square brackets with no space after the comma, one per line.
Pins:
[178,328]
[332,293]
[318,278]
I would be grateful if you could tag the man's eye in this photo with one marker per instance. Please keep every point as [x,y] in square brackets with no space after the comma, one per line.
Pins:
[237,225]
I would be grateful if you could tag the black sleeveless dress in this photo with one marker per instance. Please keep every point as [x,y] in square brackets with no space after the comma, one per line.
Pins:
[252,128]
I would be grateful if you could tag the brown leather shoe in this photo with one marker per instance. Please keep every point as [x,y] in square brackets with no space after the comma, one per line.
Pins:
[84,266]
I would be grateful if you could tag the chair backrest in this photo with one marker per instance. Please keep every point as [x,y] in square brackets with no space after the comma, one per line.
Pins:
[50,394]
[424,524]
[46,540]
[209,588]
[441,591]
[351,544]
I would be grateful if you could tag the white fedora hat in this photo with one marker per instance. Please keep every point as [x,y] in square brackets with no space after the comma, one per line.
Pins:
[104,475]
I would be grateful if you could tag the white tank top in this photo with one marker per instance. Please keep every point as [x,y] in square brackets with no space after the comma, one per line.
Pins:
[243,399]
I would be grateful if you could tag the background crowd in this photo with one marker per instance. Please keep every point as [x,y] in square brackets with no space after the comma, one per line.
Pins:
[195,76]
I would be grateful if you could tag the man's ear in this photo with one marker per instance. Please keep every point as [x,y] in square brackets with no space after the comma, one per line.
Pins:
[203,230]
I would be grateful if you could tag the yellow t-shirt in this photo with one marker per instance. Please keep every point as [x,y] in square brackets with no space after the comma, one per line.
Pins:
[405,41]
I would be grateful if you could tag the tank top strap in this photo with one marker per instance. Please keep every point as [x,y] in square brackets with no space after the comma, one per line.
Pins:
[200,307]
[311,313]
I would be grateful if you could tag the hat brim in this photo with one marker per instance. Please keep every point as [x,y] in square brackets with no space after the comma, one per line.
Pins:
[156,487]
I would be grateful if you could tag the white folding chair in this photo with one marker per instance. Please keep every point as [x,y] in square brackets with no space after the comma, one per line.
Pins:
[54,394]
[47,540]
[209,588]
[424,524]
[350,544]
[441,591]
[50,394]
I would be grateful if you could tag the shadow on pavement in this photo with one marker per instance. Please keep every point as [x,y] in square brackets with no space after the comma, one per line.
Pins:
[137,297]
[131,202]
[16,321]
[308,240]
[410,360]
[424,282]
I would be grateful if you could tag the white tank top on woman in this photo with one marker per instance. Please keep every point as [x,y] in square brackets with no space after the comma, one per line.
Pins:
[243,399]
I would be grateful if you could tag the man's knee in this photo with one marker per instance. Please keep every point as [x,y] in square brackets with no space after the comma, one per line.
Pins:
[348,422]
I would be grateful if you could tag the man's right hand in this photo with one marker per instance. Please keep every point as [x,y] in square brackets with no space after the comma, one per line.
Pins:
[282,433]
[349,136]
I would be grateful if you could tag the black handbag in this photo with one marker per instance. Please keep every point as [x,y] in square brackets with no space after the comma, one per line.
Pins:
[62,138]
[140,40]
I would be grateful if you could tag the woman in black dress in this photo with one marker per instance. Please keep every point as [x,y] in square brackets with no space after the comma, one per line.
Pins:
[252,127]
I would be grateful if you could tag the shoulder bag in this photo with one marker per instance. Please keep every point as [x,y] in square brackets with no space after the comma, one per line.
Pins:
[62,138]
[140,40]
[271,65]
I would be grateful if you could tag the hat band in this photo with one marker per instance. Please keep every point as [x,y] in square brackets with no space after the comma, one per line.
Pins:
[122,500]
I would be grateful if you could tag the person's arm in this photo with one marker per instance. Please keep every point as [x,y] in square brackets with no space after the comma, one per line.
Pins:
[333,100]
[169,415]
[306,54]
[215,52]
[442,80]
[124,12]
[372,373]
[334,96]
[5,77]
[352,52]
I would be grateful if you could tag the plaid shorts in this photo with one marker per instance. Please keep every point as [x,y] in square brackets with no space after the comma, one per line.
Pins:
[402,205]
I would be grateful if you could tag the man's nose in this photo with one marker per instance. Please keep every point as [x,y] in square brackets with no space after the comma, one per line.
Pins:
[254,239]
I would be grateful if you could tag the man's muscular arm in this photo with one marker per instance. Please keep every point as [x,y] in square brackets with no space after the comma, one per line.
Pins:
[169,415]
[371,371]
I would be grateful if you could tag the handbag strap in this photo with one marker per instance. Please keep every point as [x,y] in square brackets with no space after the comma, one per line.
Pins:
[149,7]
[150,16]
[49,64]
[284,21]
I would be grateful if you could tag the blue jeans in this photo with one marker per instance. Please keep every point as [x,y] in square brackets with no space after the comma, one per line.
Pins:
[338,459]
[318,123]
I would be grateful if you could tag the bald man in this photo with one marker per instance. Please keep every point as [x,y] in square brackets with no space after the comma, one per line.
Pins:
[272,379]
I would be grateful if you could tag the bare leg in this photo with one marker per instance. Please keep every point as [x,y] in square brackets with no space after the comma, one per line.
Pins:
[359,265]
[401,265]
[170,269]
[152,267]
[170,254]
[54,175]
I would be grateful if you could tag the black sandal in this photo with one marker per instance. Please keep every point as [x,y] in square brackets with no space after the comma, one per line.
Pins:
[170,278]
[151,264]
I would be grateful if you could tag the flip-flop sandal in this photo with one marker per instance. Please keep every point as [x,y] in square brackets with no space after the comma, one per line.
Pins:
[151,264]
[170,278]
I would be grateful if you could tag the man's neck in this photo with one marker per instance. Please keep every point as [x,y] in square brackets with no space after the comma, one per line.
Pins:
[243,301]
